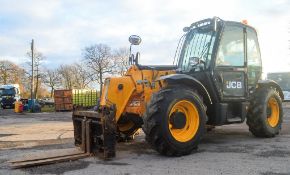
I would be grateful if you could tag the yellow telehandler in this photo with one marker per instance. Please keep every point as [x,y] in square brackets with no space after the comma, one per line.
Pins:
[215,80]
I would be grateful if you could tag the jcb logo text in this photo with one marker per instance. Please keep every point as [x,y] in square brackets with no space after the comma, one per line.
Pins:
[234,84]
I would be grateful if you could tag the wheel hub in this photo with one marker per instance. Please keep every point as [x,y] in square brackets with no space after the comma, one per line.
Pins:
[178,120]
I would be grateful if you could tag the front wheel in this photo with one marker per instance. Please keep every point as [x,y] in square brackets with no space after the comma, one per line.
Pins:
[265,115]
[128,126]
[175,121]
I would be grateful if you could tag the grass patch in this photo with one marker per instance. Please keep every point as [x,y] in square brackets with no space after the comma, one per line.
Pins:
[47,108]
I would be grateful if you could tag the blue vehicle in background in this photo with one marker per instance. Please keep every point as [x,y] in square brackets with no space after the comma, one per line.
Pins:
[283,79]
[9,94]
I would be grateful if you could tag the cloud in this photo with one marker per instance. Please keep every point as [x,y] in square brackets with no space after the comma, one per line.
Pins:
[61,29]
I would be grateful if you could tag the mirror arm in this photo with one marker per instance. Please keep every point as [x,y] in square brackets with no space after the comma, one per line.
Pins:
[131,59]
[130,52]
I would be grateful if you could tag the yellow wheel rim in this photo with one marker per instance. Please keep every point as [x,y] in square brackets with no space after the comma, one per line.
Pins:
[192,121]
[273,115]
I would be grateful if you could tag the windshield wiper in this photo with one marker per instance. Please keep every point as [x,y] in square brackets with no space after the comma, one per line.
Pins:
[204,49]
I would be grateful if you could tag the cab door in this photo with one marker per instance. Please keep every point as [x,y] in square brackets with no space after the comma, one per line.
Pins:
[230,64]
[253,59]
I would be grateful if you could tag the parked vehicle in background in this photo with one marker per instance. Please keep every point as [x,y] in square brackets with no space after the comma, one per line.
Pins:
[46,101]
[9,94]
[283,79]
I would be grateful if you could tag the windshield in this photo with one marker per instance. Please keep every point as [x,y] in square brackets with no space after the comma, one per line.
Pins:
[197,49]
[4,92]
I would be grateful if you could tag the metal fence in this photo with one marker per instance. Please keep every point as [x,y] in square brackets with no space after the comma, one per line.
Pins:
[84,98]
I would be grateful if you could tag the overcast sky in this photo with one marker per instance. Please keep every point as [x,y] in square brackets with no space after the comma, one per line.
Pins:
[62,28]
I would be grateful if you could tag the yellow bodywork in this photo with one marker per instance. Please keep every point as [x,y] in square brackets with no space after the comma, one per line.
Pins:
[131,92]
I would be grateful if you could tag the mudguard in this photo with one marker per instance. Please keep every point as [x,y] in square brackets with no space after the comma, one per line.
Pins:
[273,84]
[188,81]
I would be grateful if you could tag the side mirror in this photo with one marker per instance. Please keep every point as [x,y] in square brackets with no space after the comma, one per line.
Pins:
[193,61]
[135,39]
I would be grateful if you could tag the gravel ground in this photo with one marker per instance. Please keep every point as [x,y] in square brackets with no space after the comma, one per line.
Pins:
[225,150]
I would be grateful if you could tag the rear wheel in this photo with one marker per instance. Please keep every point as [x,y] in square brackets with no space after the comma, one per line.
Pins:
[265,114]
[175,121]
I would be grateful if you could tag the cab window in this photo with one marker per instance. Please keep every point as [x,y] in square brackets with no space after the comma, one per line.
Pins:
[254,57]
[231,49]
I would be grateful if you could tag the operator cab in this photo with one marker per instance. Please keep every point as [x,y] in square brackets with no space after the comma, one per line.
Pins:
[228,52]
[225,57]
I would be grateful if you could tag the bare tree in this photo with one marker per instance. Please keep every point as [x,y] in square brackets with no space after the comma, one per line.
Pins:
[75,75]
[38,59]
[66,74]
[82,76]
[10,73]
[121,57]
[51,79]
[100,61]
[6,69]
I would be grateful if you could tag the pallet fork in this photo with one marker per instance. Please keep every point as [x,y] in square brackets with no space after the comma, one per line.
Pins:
[94,135]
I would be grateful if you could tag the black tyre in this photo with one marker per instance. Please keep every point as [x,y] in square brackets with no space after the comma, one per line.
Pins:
[127,131]
[174,122]
[128,127]
[265,113]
